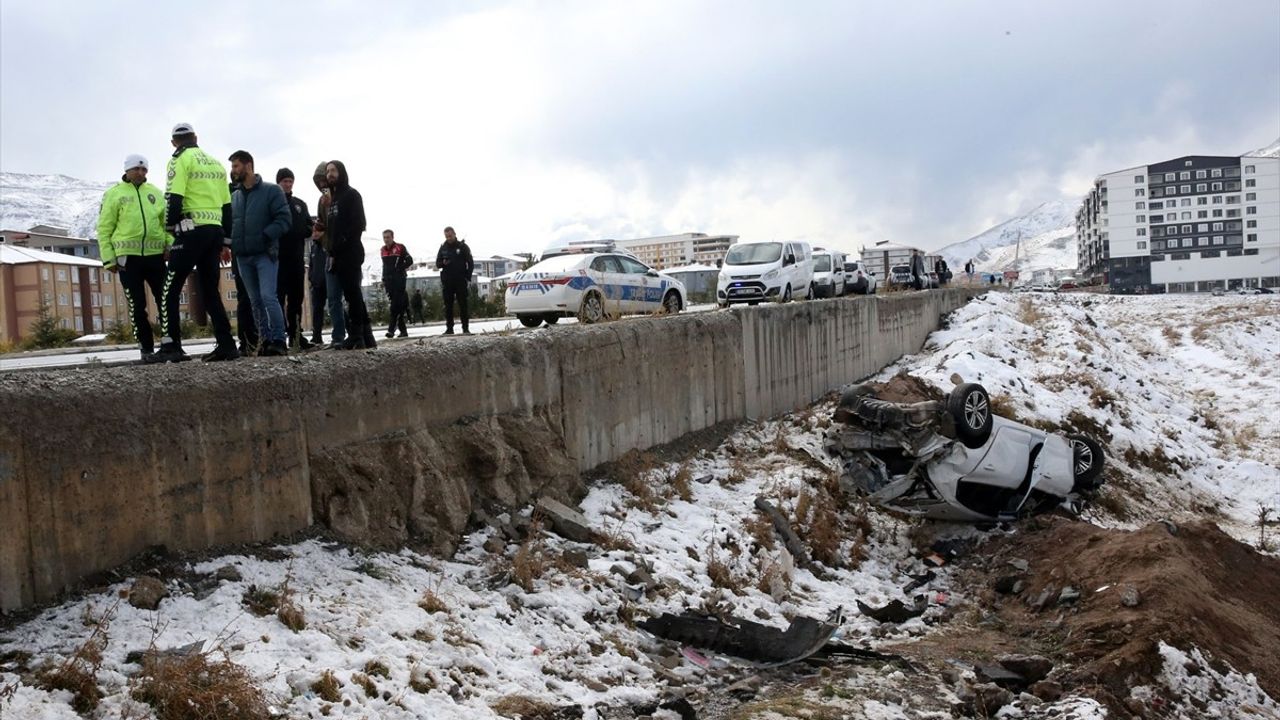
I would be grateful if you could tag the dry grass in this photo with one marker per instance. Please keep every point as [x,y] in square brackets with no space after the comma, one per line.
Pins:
[207,686]
[78,674]
[678,482]
[738,472]
[531,561]
[326,688]
[431,600]
[760,529]
[1172,334]
[1102,398]
[634,471]
[1029,313]
[367,683]
[524,707]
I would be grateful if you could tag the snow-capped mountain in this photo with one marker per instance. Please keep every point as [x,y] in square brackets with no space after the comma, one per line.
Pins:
[57,200]
[1046,235]
[1272,150]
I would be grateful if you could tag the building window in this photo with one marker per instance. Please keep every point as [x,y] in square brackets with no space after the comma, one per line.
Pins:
[1210,253]
[1233,226]
[1186,216]
[97,324]
[62,274]
[1237,252]
[1185,189]
[1140,205]
[1217,199]
[1251,237]
[1202,187]
[1250,197]
[1139,178]
[1156,206]
[1141,218]
[1184,175]
[1157,244]
[1233,213]
[1216,187]
[107,300]
[1251,223]
[96,300]
[231,295]
[1248,169]
[1186,202]
[66,324]
[1216,172]
[230,275]
[1233,199]
[1142,232]
[1139,192]
[1186,229]
[1180,256]
[1202,201]
[1142,244]
[182,298]
[1250,183]
[1157,232]
[1202,227]
[1217,239]
[1251,251]
[1170,177]
[1217,227]
[1200,174]
[62,299]
[1251,210]
[1202,214]
[1217,213]
[75,299]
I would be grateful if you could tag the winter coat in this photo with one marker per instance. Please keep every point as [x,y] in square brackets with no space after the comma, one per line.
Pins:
[344,220]
[917,266]
[259,218]
[454,262]
[131,222]
[396,261]
[317,265]
[294,243]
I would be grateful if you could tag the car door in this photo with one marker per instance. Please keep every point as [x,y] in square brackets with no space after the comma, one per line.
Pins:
[607,272]
[638,287]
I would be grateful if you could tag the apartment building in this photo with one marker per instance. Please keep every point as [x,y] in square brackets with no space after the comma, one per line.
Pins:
[77,292]
[1191,224]
[51,239]
[667,251]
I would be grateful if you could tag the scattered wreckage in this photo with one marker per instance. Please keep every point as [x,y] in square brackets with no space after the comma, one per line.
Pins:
[955,460]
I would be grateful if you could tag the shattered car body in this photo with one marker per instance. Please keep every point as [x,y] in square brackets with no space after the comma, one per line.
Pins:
[955,460]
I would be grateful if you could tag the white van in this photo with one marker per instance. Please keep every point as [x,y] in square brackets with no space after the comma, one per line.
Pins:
[765,270]
[828,273]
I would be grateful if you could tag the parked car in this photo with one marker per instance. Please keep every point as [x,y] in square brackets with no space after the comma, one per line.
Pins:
[900,276]
[765,270]
[1256,291]
[592,286]
[955,460]
[859,280]
[828,273]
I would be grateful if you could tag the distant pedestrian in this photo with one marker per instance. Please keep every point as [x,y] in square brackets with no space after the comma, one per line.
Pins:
[133,243]
[968,270]
[455,265]
[345,225]
[293,262]
[198,215]
[919,276]
[260,219]
[325,287]
[396,261]
[417,305]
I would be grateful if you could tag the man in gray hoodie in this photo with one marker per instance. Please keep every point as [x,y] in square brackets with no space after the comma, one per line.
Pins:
[260,217]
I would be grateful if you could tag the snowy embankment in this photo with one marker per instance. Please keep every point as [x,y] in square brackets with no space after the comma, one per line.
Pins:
[509,623]
[1181,390]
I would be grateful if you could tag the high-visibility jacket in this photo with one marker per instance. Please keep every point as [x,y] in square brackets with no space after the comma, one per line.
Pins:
[201,181]
[131,222]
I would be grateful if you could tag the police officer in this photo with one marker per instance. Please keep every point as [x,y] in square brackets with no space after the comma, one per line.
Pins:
[133,243]
[198,215]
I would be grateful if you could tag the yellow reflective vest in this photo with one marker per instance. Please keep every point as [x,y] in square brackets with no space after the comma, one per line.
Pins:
[202,183]
[131,222]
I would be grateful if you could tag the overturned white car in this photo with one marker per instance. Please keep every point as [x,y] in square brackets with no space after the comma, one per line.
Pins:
[954,460]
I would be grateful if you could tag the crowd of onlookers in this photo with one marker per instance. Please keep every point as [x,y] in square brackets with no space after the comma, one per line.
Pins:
[205,219]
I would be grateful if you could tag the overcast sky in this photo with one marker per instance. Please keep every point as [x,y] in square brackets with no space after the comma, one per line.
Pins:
[521,123]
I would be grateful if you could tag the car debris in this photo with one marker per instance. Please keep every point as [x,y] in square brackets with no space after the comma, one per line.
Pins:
[895,611]
[741,638]
[956,460]
[789,538]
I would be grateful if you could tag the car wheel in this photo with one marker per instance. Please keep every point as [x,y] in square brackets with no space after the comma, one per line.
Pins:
[1087,461]
[970,408]
[592,310]
[786,294]
[671,303]
[530,321]
[551,318]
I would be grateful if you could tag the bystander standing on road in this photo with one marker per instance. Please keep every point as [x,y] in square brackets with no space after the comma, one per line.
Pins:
[260,218]
[293,263]
[198,215]
[396,261]
[132,242]
[325,287]
[918,274]
[345,225]
[455,265]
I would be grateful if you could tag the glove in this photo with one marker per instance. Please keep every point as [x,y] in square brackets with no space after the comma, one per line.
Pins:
[185,225]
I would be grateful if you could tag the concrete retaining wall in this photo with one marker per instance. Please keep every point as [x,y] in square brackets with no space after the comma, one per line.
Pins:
[399,445]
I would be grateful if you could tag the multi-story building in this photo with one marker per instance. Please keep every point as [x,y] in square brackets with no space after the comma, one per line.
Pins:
[498,265]
[76,291]
[666,251]
[51,239]
[1194,223]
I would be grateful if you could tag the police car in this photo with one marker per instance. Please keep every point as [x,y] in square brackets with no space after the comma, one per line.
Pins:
[591,284]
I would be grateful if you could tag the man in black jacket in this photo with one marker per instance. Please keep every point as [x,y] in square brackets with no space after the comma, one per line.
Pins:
[293,270]
[396,261]
[454,263]
[344,225]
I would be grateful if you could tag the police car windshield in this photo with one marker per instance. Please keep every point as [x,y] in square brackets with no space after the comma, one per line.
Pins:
[822,263]
[753,254]
[903,269]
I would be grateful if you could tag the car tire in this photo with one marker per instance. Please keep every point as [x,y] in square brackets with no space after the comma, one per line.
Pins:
[530,321]
[786,294]
[970,408]
[592,310]
[671,303]
[551,318]
[1087,461]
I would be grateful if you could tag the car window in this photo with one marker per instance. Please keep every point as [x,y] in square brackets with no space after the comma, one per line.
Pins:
[606,263]
[558,263]
[632,266]
[753,253]
[822,263]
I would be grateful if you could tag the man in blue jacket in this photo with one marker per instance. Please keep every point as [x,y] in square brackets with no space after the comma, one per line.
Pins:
[260,217]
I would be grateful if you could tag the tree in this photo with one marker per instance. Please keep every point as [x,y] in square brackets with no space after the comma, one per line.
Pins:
[46,332]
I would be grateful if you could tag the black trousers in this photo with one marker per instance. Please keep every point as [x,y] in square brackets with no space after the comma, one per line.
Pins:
[290,281]
[349,276]
[139,273]
[399,303]
[200,251]
[246,323]
[319,298]
[459,290]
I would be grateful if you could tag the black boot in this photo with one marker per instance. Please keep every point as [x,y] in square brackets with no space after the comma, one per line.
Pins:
[223,353]
[169,352]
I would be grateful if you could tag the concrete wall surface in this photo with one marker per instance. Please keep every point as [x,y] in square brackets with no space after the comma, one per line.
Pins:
[399,445]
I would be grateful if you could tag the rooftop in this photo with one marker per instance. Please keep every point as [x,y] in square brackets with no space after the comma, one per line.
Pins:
[15,255]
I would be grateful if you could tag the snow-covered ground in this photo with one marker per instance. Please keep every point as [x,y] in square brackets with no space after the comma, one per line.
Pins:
[1189,400]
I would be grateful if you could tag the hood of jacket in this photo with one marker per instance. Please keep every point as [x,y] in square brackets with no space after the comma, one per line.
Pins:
[344,182]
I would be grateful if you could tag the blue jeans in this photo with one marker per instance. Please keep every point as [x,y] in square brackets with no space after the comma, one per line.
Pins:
[333,292]
[259,273]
